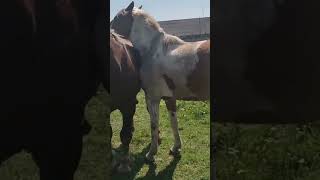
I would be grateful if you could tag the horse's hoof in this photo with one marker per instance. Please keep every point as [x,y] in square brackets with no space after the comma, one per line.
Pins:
[124,168]
[175,153]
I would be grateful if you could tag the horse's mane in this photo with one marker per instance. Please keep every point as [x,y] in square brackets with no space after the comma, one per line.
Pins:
[120,38]
[151,21]
[123,43]
[168,39]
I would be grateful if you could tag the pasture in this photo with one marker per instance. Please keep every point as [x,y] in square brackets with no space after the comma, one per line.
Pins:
[96,154]
[268,152]
[194,126]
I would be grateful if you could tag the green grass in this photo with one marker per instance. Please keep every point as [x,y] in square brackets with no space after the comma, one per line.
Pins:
[266,152]
[95,161]
[194,125]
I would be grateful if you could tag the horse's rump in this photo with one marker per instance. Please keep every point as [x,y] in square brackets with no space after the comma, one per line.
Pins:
[199,79]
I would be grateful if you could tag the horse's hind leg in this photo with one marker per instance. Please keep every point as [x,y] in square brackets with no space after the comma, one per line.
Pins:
[172,109]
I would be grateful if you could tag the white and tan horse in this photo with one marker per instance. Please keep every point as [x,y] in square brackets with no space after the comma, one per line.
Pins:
[172,69]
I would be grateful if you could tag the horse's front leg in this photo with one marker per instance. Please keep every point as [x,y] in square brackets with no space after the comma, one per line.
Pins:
[126,136]
[172,109]
[126,133]
[153,109]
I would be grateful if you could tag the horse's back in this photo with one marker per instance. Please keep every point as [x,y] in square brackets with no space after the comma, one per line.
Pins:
[183,71]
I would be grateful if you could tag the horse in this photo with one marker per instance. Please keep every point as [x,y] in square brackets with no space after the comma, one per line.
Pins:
[171,69]
[124,87]
[50,69]
[266,62]
[272,73]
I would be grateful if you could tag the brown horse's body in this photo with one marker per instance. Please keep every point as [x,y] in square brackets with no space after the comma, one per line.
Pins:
[124,83]
[124,72]
[48,72]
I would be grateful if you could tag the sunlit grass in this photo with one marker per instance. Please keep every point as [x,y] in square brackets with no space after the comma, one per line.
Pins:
[194,128]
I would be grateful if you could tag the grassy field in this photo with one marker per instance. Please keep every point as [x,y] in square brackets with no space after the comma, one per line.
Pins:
[95,159]
[266,152]
[194,125]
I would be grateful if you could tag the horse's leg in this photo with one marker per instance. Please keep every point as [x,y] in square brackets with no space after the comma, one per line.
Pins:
[58,156]
[126,134]
[153,109]
[59,160]
[127,127]
[172,109]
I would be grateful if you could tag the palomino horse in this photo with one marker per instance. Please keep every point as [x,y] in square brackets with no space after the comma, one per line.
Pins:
[171,69]
[124,87]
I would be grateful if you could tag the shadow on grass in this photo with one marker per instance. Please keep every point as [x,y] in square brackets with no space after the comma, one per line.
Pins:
[165,174]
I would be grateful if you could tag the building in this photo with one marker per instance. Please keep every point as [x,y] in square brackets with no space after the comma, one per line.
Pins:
[194,29]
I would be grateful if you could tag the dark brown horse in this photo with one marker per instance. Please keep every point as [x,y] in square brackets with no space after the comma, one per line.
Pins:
[272,74]
[267,67]
[124,86]
[48,72]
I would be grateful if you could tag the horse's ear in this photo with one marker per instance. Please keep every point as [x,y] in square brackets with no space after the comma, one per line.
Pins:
[130,7]
[140,7]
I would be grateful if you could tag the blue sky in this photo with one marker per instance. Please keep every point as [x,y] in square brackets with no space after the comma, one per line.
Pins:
[166,9]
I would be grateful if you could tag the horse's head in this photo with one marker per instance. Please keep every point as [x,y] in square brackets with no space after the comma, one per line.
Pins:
[123,21]
[137,26]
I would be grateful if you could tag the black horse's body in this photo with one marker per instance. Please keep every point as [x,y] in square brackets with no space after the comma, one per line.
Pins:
[266,67]
[48,72]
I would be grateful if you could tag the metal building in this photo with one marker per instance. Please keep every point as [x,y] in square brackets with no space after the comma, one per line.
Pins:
[194,29]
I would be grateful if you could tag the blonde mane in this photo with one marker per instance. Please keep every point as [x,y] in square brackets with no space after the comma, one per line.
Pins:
[150,21]
[168,39]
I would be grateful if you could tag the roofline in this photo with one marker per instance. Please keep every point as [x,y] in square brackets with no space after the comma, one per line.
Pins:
[183,19]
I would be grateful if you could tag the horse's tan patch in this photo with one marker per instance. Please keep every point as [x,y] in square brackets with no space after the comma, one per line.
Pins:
[170,40]
[199,80]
